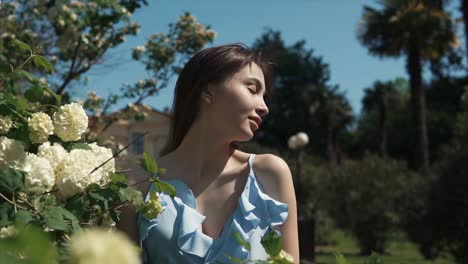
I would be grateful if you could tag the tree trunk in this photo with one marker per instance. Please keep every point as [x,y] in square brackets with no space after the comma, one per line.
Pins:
[418,104]
[464,11]
[331,151]
[383,131]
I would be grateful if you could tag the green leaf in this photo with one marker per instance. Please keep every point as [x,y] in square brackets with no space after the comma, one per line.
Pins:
[21,45]
[374,258]
[11,180]
[33,243]
[56,218]
[5,67]
[17,103]
[272,243]
[119,179]
[57,97]
[24,217]
[149,164]
[72,146]
[135,197]
[24,74]
[34,94]
[161,186]
[340,259]
[242,241]
[21,133]
[5,211]
[41,62]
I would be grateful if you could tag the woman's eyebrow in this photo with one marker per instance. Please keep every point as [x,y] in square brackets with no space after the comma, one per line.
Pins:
[257,82]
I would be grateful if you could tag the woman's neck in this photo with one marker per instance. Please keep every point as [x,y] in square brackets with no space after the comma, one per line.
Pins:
[203,153]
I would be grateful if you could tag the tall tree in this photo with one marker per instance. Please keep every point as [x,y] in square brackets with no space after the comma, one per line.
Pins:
[331,111]
[297,70]
[380,97]
[419,30]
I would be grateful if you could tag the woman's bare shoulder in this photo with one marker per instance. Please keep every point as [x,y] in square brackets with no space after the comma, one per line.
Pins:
[274,176]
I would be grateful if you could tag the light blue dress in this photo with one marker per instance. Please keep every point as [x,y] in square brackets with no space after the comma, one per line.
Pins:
[174,236]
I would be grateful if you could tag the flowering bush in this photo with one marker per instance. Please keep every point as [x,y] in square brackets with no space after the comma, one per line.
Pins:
[52,179]
[93,246]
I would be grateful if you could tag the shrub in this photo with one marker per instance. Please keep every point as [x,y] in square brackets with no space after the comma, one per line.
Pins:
[368,198]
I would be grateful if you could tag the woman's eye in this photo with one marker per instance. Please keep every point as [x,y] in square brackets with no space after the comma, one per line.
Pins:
[253,89]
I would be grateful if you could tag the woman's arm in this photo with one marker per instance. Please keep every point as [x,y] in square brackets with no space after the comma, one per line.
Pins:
[128,216]
[128,223]
[276,179]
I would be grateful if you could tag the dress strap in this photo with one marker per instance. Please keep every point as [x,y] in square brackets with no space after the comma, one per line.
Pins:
[251,160]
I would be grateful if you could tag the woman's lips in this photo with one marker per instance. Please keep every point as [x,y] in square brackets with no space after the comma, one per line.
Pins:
[253,125]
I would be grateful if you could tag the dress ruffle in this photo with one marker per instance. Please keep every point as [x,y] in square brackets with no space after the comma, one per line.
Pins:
[145,223]
[256,213]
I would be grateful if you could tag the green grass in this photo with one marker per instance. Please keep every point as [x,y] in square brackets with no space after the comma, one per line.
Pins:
[399,251]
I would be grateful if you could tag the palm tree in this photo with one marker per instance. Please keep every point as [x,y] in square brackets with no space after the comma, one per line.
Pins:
[332,112]
[380,97]
[419,30]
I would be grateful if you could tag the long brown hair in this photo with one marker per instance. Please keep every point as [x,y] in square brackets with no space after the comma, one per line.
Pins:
[209,66]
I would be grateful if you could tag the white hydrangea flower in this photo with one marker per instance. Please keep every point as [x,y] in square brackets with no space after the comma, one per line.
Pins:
[54,153]
[141,83]
[74,172]
[140,48]
[76,4]
[92,5]
[12,153]
[39,173]
[40,127]
[84,39]
[93,246]
[7,231]
[5,124]
[65,8]
[70,122]
[73,17]
[102,154]
[61,22]
[14,4]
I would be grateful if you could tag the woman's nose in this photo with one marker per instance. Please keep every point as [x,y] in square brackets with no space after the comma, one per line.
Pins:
[262,110]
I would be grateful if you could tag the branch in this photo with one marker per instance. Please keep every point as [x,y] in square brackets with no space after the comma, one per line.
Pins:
[12,203]
[120,151]
[70,75]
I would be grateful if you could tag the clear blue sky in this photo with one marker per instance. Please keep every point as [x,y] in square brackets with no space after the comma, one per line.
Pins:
[328,26]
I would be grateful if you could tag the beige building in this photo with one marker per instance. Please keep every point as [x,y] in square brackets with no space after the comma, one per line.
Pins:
[124,131]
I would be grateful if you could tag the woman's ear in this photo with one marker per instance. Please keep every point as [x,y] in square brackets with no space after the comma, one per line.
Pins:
[207,94]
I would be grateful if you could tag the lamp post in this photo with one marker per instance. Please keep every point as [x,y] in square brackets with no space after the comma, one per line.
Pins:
[306,226]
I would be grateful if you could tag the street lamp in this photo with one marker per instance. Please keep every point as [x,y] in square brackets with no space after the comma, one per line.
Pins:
[306,226]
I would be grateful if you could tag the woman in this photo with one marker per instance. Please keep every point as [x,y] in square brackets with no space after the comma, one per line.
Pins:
[219,99]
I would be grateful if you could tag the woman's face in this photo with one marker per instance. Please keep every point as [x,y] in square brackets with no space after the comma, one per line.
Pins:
[237,105]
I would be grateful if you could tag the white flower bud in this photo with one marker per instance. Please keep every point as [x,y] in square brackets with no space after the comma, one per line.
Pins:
[70,122]
[39,173]
[8,231]
[5,124]
[40,127]
[12,153]
[94,245]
